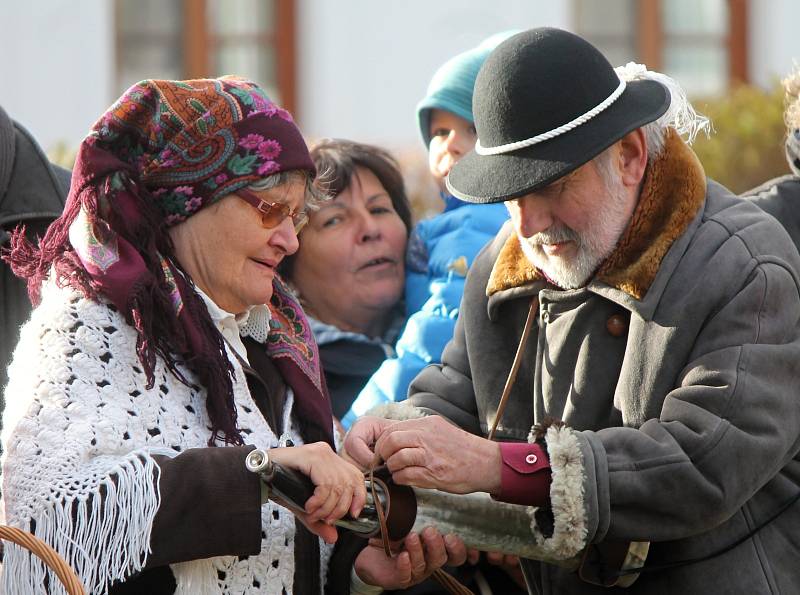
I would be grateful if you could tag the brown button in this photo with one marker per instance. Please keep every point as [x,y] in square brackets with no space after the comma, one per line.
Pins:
[617,326]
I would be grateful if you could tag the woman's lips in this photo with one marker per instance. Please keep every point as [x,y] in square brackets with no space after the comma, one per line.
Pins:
[265,264]
[379,263]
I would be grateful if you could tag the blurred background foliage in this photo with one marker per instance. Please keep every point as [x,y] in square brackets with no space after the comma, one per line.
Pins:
[744,149]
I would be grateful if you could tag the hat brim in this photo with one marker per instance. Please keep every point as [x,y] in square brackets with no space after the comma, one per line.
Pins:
[497,178]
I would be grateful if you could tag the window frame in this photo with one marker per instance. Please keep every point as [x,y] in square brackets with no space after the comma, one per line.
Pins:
[198,45]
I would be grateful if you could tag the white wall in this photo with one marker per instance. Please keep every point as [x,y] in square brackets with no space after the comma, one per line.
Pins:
[774,39]
[56,66]
[364,64]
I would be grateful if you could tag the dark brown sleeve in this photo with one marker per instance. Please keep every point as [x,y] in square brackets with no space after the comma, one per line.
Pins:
[347,548]
[210,506]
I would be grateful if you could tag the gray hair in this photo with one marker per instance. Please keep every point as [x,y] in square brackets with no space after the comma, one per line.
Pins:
[314,196]
[680,114]
[791,85]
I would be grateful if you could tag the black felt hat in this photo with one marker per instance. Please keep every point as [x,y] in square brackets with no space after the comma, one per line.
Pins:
[546,101]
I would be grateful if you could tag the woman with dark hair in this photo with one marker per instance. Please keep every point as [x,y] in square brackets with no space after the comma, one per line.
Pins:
[164,348]
[349,271]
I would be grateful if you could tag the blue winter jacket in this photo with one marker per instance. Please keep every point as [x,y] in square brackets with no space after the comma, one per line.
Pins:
[440,252]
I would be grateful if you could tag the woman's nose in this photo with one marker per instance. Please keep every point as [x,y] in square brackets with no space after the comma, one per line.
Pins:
[369,228]
[284,237]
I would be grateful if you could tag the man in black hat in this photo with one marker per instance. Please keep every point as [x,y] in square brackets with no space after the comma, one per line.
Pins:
[649,311]
[32,192]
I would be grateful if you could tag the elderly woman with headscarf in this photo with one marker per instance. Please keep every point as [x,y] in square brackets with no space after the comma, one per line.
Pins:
[163,348]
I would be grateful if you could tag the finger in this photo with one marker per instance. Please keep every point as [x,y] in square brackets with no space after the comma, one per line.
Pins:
[435,552]
[402,566]
[495,558]
[418,477]
[326,509]
[362,436]
[456,550]
[473,556]
[327,532]
[406,457]
[394,438]
[358,448]
[317,500]
[416,556]
[359,497]
[342,506]
[320,505]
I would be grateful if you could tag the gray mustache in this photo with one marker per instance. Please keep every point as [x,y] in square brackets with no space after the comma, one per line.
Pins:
[554,235]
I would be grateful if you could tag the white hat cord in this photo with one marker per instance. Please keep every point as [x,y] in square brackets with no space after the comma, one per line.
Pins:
[680,114]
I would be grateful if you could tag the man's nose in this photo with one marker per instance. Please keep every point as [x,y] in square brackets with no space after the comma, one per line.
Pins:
[535,215]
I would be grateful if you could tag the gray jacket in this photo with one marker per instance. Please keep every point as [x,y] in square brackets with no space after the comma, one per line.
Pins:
[684,427]
[780,198]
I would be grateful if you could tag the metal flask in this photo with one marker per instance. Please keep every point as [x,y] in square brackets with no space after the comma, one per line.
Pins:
[481,522]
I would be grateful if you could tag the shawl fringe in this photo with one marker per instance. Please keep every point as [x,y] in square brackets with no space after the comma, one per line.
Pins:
[104,537]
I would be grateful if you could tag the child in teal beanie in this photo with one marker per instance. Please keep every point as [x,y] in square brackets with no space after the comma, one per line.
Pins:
[440,249]
[440,252]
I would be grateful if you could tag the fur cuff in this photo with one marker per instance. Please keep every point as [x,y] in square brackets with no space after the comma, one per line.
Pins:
[397,411]
[562,532]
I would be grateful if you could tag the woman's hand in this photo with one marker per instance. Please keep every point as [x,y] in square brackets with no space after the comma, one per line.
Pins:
[339,485]
[420,555]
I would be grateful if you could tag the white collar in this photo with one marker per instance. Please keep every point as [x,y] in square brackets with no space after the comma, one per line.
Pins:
[253,322]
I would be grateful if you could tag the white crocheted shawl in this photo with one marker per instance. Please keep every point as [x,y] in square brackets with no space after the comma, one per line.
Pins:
[77,414]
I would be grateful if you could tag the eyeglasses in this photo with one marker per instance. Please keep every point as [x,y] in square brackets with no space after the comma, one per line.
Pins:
[273,213]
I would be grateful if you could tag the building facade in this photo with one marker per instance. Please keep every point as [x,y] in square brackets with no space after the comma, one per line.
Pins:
[353,68]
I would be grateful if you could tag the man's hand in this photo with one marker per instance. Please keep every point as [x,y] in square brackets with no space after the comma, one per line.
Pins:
[432,453]
[361,438]
[420,556]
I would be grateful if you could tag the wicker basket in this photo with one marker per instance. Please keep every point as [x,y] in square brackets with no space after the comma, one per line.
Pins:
[48,555]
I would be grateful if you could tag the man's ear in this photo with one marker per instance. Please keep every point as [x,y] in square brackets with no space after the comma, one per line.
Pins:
[632,157]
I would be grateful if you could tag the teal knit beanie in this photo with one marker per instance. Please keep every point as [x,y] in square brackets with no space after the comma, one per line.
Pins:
[451,87]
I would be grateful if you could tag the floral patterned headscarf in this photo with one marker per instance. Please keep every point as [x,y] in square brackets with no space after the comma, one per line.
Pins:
[162,152]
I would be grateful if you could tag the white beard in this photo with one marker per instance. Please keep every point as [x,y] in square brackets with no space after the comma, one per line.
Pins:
[593,245]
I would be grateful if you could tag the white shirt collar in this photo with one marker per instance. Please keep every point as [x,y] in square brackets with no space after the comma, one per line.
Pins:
[253,322]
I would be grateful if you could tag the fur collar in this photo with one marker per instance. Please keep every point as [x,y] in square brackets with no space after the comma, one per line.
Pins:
[674,188]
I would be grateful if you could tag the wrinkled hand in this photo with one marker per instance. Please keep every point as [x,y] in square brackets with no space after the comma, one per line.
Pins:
[339,485]
[419,557]
[360,440]
[432,453]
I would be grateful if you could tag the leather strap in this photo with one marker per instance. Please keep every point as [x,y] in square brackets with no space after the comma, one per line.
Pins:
[448,582]
[512,375]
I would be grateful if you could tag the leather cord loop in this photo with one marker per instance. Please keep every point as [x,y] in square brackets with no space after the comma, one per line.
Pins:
[448,582]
